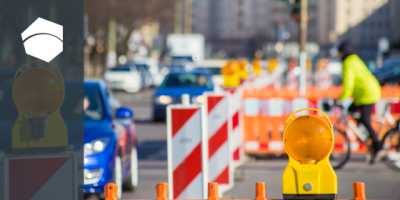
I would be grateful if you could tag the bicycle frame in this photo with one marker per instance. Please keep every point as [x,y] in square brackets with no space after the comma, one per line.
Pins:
[361,136]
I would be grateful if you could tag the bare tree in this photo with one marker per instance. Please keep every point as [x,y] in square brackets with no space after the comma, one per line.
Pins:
[129,15]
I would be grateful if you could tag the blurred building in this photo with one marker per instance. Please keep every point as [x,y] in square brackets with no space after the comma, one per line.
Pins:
[363,22]
[243,26]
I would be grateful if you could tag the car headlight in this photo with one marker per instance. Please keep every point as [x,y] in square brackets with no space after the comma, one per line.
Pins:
[92,176]
[198,99]
[96,146]
[163,99]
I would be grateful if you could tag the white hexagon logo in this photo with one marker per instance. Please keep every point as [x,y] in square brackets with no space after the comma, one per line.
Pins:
[43,39]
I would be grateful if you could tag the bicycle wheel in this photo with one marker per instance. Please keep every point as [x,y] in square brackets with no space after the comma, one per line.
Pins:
[341,151]
[391,144]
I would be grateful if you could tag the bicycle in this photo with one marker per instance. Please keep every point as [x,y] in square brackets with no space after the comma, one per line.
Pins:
[392,153]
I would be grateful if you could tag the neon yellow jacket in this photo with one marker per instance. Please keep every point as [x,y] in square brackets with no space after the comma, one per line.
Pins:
[359,82]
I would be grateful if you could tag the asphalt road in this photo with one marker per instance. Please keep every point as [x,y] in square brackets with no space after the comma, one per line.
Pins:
[381,182]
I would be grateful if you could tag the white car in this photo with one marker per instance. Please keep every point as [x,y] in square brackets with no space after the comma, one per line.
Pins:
[214,66]
[124,78]
[153,67]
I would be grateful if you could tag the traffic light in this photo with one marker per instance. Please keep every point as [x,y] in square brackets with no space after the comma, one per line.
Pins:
[295,8]
[293,3]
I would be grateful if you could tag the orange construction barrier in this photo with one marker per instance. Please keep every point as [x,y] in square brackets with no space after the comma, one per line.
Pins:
[266,109]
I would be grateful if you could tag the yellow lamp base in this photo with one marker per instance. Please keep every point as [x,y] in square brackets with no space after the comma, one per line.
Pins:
[55,136]
[303,180]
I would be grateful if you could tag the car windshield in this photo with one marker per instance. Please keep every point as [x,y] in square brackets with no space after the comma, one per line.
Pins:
[93,105]
[177,66]
[186,80]
[120,69]
[142,67]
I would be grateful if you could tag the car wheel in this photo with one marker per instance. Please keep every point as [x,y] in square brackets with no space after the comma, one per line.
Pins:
[118,176]
[133,180]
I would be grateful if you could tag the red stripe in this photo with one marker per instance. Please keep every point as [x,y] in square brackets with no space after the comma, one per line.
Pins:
[212,102]
[187,171]
[235,120]
[180,117]
[338,146]
[218,139]
[236,155]
[263,145]
[395,108]
[223,178]
[231,90]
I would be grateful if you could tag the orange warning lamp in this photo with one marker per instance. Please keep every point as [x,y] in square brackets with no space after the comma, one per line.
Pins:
[308,64]
[273,63]
[257,69]
[38,93]
[231,67]
[230,73]
[243,63]
[309,141]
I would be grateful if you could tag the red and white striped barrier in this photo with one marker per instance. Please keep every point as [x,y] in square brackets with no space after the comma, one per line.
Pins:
[237,133]
[218,122]
[35,176]
[309,78]
[187,152]
[323,79]
[292,80]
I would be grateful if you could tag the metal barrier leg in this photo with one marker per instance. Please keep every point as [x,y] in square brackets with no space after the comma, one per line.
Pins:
[359,191]
[213,191]
[111,191]
[162,191]
[261,193]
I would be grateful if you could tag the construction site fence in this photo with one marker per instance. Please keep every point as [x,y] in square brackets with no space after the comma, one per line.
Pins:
[265,111]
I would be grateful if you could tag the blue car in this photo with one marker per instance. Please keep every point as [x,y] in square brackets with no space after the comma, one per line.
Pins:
[389,72]
[179,82]
[110,154]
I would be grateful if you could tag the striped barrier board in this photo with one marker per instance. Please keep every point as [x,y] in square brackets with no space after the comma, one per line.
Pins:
[41,176]
[292,80]
[220,161]
[235,114]
[187,152]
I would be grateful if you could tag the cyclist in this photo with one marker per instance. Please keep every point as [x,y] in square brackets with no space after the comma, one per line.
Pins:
[360,83]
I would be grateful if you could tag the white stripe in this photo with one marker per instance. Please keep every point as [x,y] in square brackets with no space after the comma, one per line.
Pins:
[236,100]
[235,139]
[61,183]
[275,145]
[300,103]
[354,146]
[217,117]
[194,190]
[252,145]
[218,162]
[187,138]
